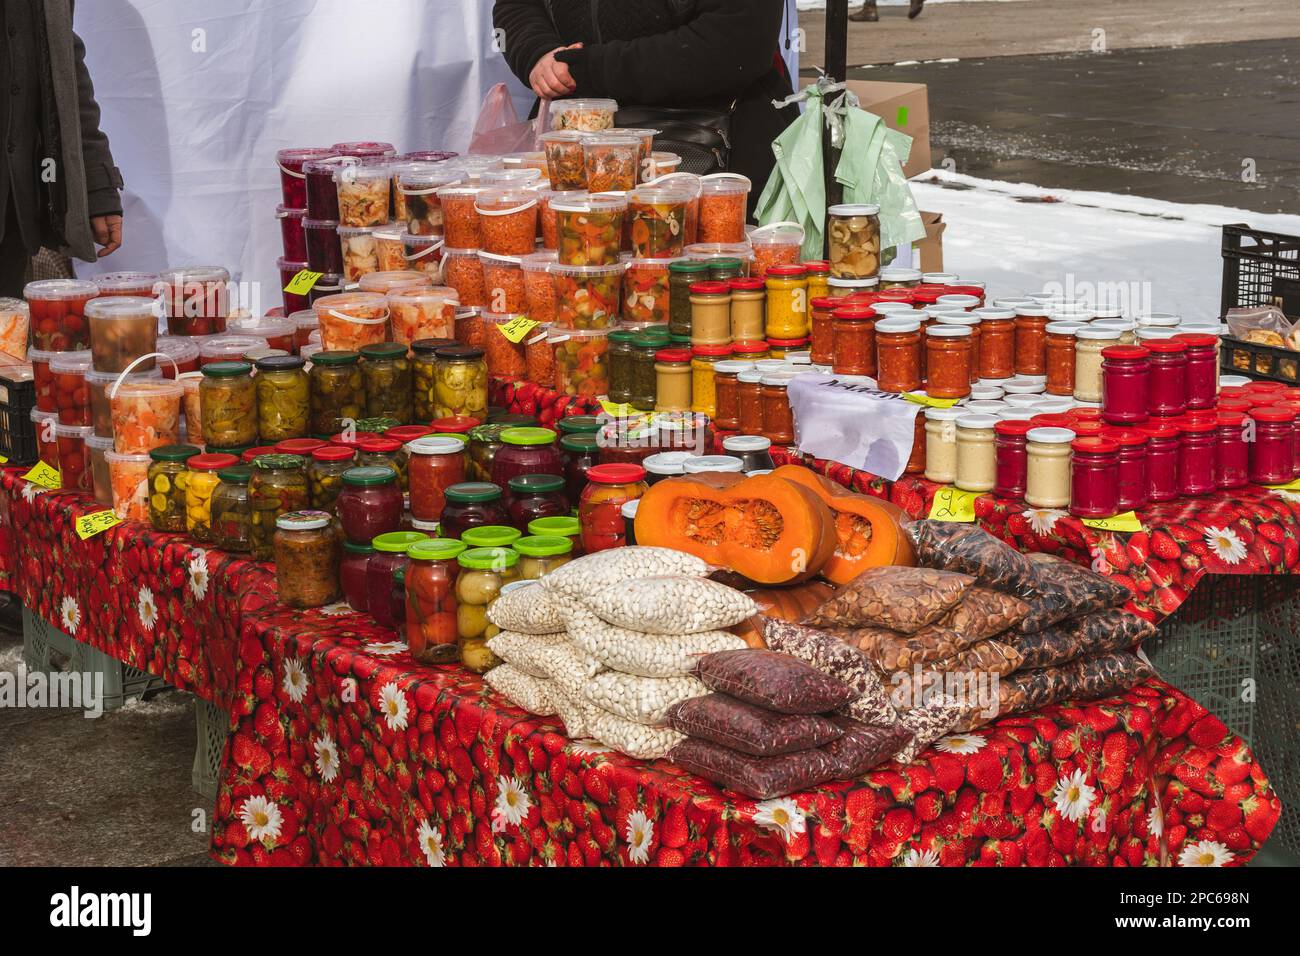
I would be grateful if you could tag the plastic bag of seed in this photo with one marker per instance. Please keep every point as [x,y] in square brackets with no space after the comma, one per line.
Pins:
[527,608]
[634,739]
[577,715]
[669,605]
[594,572]
[646,655]
[774,681]
[896,598]
[760,778]
[927,723]
[836,659]
[1088,678]
[644,700]
[972,666]
[862,746]
[527,693]
[1095,633]
[570,668]
[526,652]
[971,550]
[749,729]
[1065,589]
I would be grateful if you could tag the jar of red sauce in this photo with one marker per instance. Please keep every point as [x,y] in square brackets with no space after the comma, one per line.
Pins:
[436,464]
[1196,454]
[726,386]
[916,460]
[600,509]
[1031,340]
[898,355]
[1272,453]
[1012,458]
[822,337]
[1131,471]
[1094,464]
[1163,444]
[352,574]
[1124,384]
[387,604]
[853,347]
[369,503]
[1202,368]
[971,322]
[1060,357]
[472,504]
[1167,379]
[997,343]
[537,496]
[948,361]
[1231,454]
[749,393]
[778,418]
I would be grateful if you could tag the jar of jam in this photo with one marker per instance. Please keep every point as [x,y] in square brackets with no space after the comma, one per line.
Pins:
[1231,453]
[436,464]
[681,276]
[387,605]
[1294,406]
[673,380]
[1048,479]
[167,480]
[749,392]
[726,384]
[540,555]
[580,453]
[369,503]
[948,350]
[278,485]
[1011,444]
[704,362]
[232,516]
[665,464]
[997,347]
[1060,357]
[1272,453]
[1163,448]
[1031,340]
[1124,384]
[483,572]
[787,302]
[1196,456]
[748,309]
[201,480]
[1131,470]
[853,341]
[778,417]
[1093,478]
[754,452]
[599,509]
[473,504]
[352,574]
[1202,370]
[898,355]
[306,550]
[537,496]
[431,605]
[1167,377]
[526,451]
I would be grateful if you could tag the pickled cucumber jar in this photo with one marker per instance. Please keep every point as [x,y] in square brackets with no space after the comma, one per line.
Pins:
[460,382]
[619,357]
[483,572]
[540,555]
[383,453]
[283,400]
[325,476]
[167,486]
[231,516]
[423,363]
[228,398]
[484,443]
[278,486]
[388,379]
[338,394]
[201,479]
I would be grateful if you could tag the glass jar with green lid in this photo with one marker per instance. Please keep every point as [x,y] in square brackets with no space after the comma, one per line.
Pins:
[580,451]
[387,605]
[228,398]
[278,485]
[726,269]
[566,527]
[283,399]
[619,358]
[387,375]
[491,536]
[537,496]
[431,634]
[526,451]
[379,425]
[483,572]
[484,442]
[424,389]
[579,424]
[472,504]
[338,392]
[460,382]
[539,555]
[167,486]
[681,276]
[231,515]
[644,349]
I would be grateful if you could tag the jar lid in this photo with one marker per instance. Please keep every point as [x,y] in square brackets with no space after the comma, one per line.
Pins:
[557,526]
[409,433]
[1096,333]
[226,369]
[838,283]
[238,475]
[987,393]
[1087,429]
[455,424]
[743,443]
[430,445]
[777,379]
[710,288]
[959,299]
[536,484]
[333,453]
[303,520]
[336,357]
[353,548]
[948,331]
[894,307]
[723,263]
[458,353]
[299,446]
[1161,430]
[1125,353]
[969,320]
[1233,404]
[750,285]
[1063,328]
[1167,319]
[488,559]
[786,344]
[491,536]
[666,463]
[977,421]
[1016,427]
[1051,436]
[616,474]
[248,455]
[1016,414]
[731,367]
[580,442]
[1094,446]
[278,462]
[375,427]
[435,549]
[711,350]
[528,436]
[427,346]
[544,546]
[854,313]
[1017,387]
[897,274]
[689,266]
[754,347]
[210,462]
[172,452]
[1164,346]
[1272,413]
[673,355]
[787,271]
[995,314]
[579,424]
[751,376]
[396,542]
[1125,437]
[471,492]
[1196,339]
[237,452]
[383,350]
[896,326]
[854,209]
[702,463]
[369,476]
[946,414]
[1086,413]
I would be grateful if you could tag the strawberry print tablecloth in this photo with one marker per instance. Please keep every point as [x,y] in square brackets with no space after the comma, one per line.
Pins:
[345,751]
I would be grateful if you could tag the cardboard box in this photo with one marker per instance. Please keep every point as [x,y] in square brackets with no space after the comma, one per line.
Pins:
[904,107]
[927,255]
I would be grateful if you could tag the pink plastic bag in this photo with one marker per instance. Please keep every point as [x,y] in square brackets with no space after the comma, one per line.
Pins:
[499,130]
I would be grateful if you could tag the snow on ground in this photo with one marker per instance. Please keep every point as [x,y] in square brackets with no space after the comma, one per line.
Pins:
[1165,255]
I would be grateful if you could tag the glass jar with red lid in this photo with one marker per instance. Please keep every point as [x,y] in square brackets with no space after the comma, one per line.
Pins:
[1131,471]
[386,607]
[1196,454]
[1093,477]
[1231,454]
[1233,405]
[821,338]
[1011,457]
[455,425]
[299,446]
[472,504]
[1272,453]
[600,507]
[1084,415]
[1031,340]
[1294,406]
[431,600]
[1167,376]
[581,452]
[948,361]
[1124,384]
[369,503]
[325,471]
[537,496]
[381,452]
[435,465]
[1202,368]
[526,451]
[898,355]
[1264,388]
[1163,443]
[853,341]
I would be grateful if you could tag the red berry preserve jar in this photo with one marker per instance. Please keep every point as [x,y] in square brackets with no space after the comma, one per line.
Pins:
[526,451]
[1196,457]
[1163,443]
[1124,384]
[1094,477]
[369,503]
[1167,377]
[1012,458]
[1202,368]
[471,504]
[1231,454]
[1272,453]
[1131,472]
[352,574]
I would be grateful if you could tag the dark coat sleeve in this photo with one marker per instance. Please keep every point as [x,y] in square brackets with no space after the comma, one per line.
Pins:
[103,180]
[527,34]
[723,49]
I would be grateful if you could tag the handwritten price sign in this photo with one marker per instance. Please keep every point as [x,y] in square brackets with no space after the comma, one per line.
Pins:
[517,328]
[1127,522]
[90,525]
[303,282]
[953,504]
[45,476]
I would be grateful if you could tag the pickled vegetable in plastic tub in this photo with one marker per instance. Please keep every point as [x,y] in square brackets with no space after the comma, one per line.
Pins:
[538,287]
[383,283]
[57,313]
[505,359]
[71,397]
[360,251]
[228,348]
[279,332]
[646,290]
[183,351]
[351,320]
[418,188]
[192,405]
[321,245]
[293,241]
[778,244]
[723,201]
[365,192]
[111,284]
[74,463]
[424,254]
[588,115]
[565,162]
[128,476]
[589,229]
[587,297]
[581,363]
[15,321]
[98,384]
[196,299]
[460,221]
[293,181]
[507,221]
[145,415]
[422,313]
[503,282]
[365,149]
[463,271]
[389,249]
[658,222]
[612,162]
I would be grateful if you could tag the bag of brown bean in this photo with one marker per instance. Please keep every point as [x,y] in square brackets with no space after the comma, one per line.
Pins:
[774,681]
[1088,678]
[971,670]
[836,659]
[861,746]
[971,550]
[761,778]
[1065,589]
[891,651]
[897,598]
[1096,633]
[749,729]
[984,612]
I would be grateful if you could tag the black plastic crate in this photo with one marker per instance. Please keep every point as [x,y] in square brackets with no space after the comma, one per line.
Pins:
[17,399]
[1260,268]
[1237,357]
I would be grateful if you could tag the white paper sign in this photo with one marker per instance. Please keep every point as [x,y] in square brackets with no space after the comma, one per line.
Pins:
[852,423]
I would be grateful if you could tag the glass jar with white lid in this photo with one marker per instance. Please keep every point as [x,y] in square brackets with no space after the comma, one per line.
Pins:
[1047,483]
[941,444]
[1088,344]
[976,454]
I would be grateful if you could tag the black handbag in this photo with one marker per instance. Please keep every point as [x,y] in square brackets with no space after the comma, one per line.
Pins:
[702,138]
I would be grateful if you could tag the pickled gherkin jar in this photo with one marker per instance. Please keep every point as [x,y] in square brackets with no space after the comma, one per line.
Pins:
[229,401]
[377,426]
[232,526]
[278,486]
[460,382]
[424,391]
[383,453]
[484,443]
[283,400]
[201,479]
[325,475]
[338,394]
[483,572]
[387,374]
[167,486]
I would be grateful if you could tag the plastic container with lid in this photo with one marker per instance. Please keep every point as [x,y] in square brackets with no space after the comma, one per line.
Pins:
[1094,478]
[472,504]
[722,204]
[898,354]
[71,394]
[56,309]
[122,329]
[351,320]
[1125,388]
[589,228]
[1196,456]
[1272,453]
[1048,478]
[587,297]
[599,509]
[369,503]
[775,244]
[537,496]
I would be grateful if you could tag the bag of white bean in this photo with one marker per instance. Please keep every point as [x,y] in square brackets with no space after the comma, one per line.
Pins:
[633,739]
[570,667]
[526,652]
[646,655]
[577,714]
[527,608]
[642,699]
[523,691]
[670,605]
[592,572]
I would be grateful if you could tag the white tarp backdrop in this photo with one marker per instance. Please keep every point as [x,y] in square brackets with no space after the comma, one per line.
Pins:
[198,96]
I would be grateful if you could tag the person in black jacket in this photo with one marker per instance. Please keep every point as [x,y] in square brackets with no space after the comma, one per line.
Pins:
[685,54]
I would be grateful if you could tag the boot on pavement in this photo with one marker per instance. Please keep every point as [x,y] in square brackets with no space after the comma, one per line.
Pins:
[914,9]
[868,13]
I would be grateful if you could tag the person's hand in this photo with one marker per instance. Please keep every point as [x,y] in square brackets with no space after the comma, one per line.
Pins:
[550,78]
[108,233]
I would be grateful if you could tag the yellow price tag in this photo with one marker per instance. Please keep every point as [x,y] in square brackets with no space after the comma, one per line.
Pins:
[45,476]
[303,282]
[920,398]
[90,525]
[615,410]
[1128,522]
[517,328]
[953,504]
[3,460]
[1289,486]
